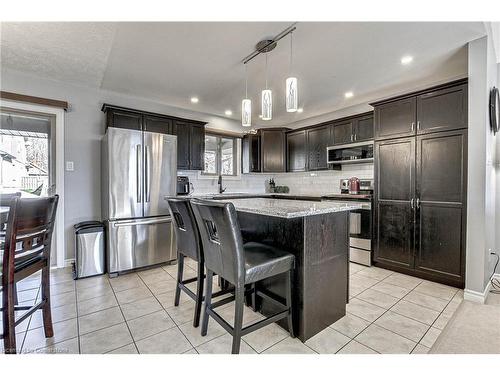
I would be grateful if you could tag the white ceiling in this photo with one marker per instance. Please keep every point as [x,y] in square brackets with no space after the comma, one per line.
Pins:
[170,62]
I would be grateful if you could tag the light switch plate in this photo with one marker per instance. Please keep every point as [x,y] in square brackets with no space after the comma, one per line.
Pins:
[70,166]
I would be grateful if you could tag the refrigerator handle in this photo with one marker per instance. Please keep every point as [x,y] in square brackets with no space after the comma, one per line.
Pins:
[147,192]
[138,171]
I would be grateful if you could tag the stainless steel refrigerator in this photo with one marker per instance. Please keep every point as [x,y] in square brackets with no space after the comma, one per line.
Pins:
[139,169]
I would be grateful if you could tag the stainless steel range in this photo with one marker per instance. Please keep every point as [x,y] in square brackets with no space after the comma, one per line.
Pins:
[360,231]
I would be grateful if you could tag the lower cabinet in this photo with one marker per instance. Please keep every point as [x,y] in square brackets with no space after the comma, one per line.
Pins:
[420,205]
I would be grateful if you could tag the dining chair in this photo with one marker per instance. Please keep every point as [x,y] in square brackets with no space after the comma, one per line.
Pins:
[25,250]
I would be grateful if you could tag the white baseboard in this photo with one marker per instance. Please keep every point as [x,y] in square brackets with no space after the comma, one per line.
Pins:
[478,297]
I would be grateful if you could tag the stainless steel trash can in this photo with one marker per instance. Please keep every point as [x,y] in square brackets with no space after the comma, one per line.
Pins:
[89,249]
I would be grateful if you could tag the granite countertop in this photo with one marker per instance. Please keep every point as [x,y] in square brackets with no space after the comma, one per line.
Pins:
[288,208]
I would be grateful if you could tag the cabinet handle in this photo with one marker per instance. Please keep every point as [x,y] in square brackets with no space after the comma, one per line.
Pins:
[418,202]
[418,125]
[355,136]
[352,137]
[412,203]
[412,126]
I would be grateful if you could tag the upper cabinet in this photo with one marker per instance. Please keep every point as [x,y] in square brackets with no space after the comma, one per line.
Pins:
[273,150]
[296,151]
[190,145]
[123,119]
[342,132]
[157,124]
[353,129]
[437,109]
[395,119]
[250,153]
[190,133]
[318,139]
[442,110]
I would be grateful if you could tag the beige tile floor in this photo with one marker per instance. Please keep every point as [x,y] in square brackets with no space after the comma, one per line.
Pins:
[134,313]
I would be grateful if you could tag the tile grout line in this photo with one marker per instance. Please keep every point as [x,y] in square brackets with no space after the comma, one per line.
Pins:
[164,309]
[123,316]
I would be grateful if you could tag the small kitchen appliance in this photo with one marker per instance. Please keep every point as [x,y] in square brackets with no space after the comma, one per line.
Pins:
[354,185]
[183,185]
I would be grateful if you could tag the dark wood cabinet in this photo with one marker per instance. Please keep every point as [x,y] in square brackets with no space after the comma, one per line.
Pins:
[190,145]
[395,119]
[123,119]
[342,132]
[296,151]
[420,205]
[273,150]
[197,147]
[437,109]
[442,110]
[250,153]
[363,128]
[318,139]
[394,215]
[441,215]
[157,124]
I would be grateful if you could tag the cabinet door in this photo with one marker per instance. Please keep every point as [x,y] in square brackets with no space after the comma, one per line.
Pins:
[197,147]
[317,142]
[250,154]
[441,181]
[395,119]
[296,146]
[124,119]
[157,124]
[273,151]
[342,133]
[394,213]
[363,128]
[182,130]
[441,110]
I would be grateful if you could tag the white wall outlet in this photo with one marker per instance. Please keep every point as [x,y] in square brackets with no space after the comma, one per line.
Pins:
[70,166]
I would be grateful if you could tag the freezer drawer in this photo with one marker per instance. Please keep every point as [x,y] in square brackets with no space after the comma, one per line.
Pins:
[139,243]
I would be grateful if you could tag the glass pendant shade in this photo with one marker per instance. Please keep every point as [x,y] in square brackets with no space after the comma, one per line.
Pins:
[246,112]
[267,104]
[291,95]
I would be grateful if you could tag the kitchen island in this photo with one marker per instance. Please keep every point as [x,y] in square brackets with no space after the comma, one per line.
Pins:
[317,233]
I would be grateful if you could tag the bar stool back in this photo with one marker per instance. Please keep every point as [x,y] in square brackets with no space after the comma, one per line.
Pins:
[241,264]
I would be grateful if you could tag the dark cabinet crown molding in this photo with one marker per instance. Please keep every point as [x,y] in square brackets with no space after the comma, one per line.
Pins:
[105,107]
[420,92]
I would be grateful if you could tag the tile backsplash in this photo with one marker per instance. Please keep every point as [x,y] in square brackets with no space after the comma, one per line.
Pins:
[319,182]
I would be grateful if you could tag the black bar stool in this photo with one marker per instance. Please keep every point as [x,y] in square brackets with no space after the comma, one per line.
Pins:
[188,245]
[241,265]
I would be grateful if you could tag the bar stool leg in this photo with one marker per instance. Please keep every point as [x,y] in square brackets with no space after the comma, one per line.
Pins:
[180,271]
[208,302]
[9,324]
[254,294]
[288,287]
[239,303]
[199,293]
[46,311]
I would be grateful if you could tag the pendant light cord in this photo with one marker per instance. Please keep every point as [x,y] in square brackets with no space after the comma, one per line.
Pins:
[246,81]
[291,52]
[266,71]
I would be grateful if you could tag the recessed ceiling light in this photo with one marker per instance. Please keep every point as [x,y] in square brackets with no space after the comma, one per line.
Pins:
[194,99]
[349,94]
[405,60]
[228,112]
[300,110]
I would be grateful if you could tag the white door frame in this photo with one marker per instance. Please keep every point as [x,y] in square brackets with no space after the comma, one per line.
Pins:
[59,166]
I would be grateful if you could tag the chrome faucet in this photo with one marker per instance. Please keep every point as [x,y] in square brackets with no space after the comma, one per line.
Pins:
[219,182]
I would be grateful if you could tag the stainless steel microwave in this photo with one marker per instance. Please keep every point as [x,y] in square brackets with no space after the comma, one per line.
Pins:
[359,152]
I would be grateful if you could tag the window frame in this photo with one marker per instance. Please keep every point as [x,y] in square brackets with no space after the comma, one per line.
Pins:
[218,156]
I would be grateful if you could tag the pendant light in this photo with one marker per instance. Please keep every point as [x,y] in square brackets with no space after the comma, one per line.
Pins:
[267,101]
[291,92]
[246,104]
